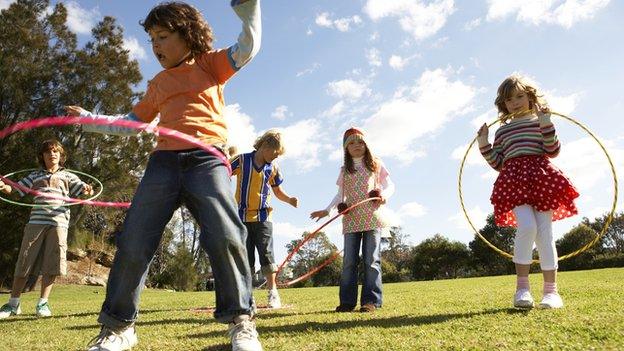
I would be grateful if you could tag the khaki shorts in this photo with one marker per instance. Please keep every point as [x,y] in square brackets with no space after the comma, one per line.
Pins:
[43,251]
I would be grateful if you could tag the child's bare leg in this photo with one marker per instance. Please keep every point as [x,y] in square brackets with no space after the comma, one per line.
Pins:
[18,286]
[46,285]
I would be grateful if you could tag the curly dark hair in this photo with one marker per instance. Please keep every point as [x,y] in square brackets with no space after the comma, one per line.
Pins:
[186,20]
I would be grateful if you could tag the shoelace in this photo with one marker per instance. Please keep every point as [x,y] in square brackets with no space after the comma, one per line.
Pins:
[105,334]
[246,330]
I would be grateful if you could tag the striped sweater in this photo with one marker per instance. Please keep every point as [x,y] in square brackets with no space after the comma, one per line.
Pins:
[60,183]
[521,137]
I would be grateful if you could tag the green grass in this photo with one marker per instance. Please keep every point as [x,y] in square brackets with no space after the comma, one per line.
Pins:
[463,314]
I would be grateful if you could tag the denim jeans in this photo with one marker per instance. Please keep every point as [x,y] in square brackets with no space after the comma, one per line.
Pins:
[371,255]
[201,182]
[260,236]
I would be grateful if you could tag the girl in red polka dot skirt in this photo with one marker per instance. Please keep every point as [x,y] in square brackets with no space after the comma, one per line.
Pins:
[530,192]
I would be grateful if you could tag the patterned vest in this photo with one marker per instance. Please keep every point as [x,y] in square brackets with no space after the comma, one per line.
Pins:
[356,187]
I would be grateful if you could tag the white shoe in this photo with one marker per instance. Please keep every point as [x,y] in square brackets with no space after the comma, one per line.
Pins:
[244,336]
[109,340]
[7,311]
[274,299]
[551,300]
[43,310]
[523,299]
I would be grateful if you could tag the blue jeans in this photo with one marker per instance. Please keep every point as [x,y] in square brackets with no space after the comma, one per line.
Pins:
[201,182]
[260,236]
[371,254]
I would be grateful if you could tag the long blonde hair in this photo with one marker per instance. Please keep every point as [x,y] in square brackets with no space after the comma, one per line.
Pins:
[517,83]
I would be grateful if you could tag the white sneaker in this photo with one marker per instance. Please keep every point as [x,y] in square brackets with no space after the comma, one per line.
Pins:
[43,310]
[7,311]
[551,300]
[523,299]
[274,299]
[109,340]
[244,336]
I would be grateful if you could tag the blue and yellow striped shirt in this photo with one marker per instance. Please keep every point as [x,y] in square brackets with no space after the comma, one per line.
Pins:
[253,187]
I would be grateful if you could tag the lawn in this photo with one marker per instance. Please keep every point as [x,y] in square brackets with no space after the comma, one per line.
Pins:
[461,314]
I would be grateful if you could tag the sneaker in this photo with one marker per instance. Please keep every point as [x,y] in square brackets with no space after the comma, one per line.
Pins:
[43,310]
[369,307]
[274,299]
[551,300]
[523,299]
[344,308]
[244,336]
[110,340]
[7,311]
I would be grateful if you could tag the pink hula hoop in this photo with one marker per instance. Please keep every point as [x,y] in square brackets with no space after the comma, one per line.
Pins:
[69,120]
[310,237]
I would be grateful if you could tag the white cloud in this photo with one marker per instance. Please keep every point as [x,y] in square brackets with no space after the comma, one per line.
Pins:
[413,209]
[584,162]
[242,133]
[564,13]
[280,112]
[474,156]
[348,89]
[486,117]
[415,17]
[135,50]
[5,4]
[424,108]
[468,26]
[398,63]
[477,216]
[335,110]
[81,20]
[374,57]
[302,144]
[309,32]
[309,70]
[342,24]
[374,37]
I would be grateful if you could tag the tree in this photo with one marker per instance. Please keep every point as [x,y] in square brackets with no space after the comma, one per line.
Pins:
[42,70]
[439,258]
[573,240]
[395,257]
[311,255]
[484,259]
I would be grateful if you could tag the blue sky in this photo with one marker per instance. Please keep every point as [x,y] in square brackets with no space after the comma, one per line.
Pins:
[419,77]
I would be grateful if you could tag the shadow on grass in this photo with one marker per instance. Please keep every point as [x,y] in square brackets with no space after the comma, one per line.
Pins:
[390,322]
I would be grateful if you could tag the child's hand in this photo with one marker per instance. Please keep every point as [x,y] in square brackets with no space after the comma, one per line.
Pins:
[75,110]
[319,214]
[482,134]
[87,190]
[293,201]
[3,186]
[543,114]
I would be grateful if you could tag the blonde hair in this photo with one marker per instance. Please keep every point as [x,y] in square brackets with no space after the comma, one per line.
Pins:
[517,83]
[273,139]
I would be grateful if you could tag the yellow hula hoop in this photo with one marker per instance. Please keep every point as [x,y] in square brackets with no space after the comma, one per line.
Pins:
[572,254]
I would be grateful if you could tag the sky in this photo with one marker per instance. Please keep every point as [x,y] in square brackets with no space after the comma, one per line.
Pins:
[419,77]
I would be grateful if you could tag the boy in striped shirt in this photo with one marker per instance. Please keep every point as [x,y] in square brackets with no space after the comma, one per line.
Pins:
[256,174]
[44,245]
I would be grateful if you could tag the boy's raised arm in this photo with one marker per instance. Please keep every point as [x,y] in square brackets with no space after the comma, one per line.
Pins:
[249,40]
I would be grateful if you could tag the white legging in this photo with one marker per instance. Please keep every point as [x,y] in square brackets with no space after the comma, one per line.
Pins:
[534,227]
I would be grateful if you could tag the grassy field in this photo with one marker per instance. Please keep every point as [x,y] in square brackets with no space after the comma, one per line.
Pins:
[462,314]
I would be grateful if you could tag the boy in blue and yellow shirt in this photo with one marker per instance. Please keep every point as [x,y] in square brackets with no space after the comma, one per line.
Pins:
[256,174]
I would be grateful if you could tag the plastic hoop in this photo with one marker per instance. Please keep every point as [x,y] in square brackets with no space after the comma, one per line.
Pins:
[36,193]
[584,247]
[311,236]
[69,120]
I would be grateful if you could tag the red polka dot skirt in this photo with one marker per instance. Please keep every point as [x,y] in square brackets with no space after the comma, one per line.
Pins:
[532,180]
